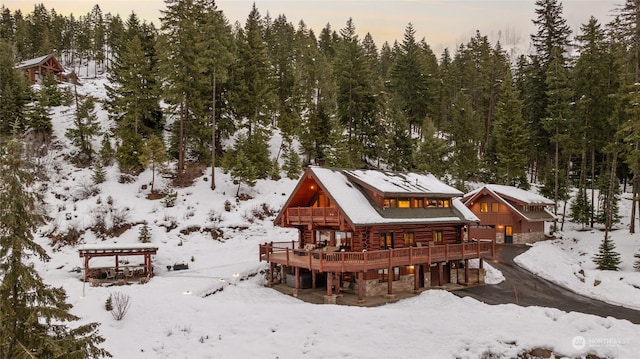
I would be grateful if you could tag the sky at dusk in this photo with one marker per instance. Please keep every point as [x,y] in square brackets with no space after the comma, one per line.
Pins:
[441,23]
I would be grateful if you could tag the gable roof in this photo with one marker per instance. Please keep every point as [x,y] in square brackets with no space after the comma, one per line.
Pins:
[509,194]
[345,190]
[35,62]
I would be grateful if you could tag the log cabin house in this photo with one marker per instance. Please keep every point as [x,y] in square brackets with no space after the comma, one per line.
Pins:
[374,232]
[508,214]
[36,68]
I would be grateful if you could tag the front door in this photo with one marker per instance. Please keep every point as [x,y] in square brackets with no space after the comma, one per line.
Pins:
[508,234]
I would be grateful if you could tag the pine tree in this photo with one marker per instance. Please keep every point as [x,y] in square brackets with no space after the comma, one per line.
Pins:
[86,127]
[581,209]
[510,136]
[464,131]
[607,258]
[253,94]
[144,235]
[292,163]
[34,316]
[107,153]
[99,173]
[15,92]
[154,154]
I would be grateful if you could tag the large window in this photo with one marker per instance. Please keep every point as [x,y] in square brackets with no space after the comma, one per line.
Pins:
[484,207]
[383,274]
[386,240]
[409,239]
[404,203]
[437,235]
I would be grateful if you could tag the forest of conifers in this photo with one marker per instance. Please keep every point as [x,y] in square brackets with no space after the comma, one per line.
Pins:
[565,116]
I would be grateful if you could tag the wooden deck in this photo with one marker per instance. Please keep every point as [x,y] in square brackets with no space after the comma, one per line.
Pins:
[288,253]
[316,215]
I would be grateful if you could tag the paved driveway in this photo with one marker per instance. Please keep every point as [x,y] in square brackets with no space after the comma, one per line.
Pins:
[524,288]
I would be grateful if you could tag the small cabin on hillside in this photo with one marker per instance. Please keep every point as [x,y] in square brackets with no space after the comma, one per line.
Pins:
[38,67]
[508,214]
[374,232]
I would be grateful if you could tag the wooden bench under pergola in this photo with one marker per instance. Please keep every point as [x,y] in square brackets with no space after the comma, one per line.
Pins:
[117,251]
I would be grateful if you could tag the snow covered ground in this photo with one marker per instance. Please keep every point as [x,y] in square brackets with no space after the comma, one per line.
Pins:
[219,307]
[569,261]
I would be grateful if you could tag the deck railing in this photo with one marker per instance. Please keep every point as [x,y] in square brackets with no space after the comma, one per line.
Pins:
[318,215]
[289,253]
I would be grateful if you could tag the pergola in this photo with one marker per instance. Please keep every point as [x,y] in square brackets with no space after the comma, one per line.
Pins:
[145,250]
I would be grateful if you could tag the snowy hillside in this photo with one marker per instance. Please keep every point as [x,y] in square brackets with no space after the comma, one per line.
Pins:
[219,307]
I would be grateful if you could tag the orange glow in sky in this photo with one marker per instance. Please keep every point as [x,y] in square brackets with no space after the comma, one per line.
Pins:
[441,23]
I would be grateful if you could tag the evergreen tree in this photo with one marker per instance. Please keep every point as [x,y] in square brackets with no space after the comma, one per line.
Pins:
[464,132]
[38,121]
[99,173]
[144,235]
[607,258]
[551,42]
[107,153]
[594,85]
[581,209]
[34,316]
[153,154]
[510,136]
[15,92]
[49,93]
[252,95]
[432,153]
[292,163]
[86,127]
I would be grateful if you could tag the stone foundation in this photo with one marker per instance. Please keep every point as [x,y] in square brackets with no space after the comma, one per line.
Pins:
[476,275]
[374,287]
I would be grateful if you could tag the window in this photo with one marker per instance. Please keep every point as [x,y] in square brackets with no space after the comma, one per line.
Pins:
[409,239]
[418,203]
[386,240]
[404,203]
[443,203]
[437,236]
[383,274]
[432,203]
[495,207]
[389,203]
[484,207]
[322,201]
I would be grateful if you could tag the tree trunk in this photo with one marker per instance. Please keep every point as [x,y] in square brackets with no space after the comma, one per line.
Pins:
[213,132]
[181,139]
[593,191]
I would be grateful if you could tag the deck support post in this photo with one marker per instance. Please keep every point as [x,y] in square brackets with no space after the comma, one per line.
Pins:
[272,267]
[440,274]
[86,267]
[329,284]
[337,281]
[481,266]
[466,271]
[416,277]
[360,287]
[297,270]
[313,277]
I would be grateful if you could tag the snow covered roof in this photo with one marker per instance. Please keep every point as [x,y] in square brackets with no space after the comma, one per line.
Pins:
[33,62]
[513,193]
[358,208]
[403,183]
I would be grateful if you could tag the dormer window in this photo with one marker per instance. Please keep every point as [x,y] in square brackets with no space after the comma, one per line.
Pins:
[418,203]
[404,203]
